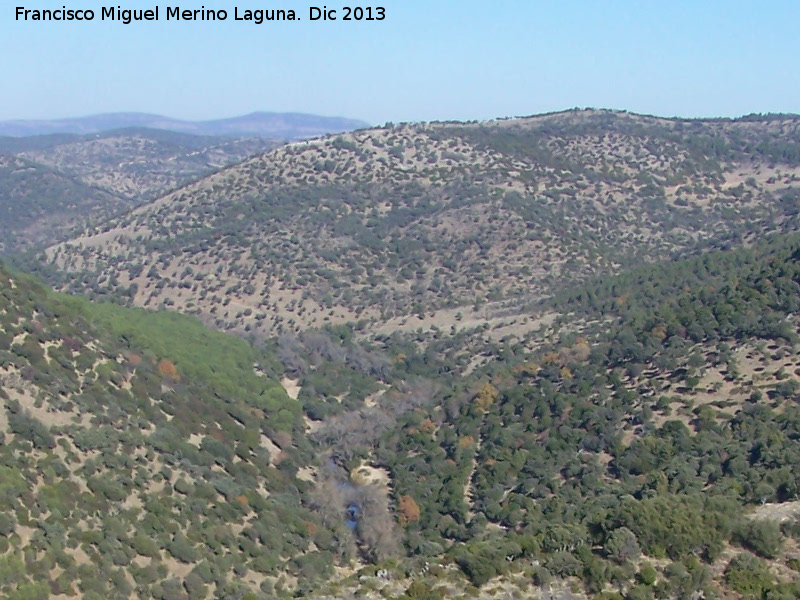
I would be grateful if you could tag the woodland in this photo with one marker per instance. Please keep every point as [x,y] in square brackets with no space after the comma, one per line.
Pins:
[550,357]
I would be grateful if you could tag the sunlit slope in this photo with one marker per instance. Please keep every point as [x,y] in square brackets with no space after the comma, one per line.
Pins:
[142,455]
[420,220]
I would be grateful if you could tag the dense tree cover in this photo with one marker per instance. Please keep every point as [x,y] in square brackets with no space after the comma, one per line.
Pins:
[716,295]
[111,454]
[573,455]
[622,448]
[582,454]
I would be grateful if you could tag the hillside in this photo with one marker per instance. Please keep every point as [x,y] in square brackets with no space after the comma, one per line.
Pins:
[53,184]
[647,448]
[140,453]
[39,204]
[443,223]
[642,447]
[282,126]
[140,164]
[598,398]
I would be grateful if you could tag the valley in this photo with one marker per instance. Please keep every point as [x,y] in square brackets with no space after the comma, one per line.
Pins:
[556,356]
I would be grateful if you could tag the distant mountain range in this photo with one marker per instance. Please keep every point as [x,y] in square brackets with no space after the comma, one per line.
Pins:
[288,126]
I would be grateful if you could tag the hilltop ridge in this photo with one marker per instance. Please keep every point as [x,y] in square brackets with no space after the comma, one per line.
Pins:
[418,219]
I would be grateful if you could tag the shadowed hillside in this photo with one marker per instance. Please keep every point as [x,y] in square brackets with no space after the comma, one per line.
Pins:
[53,184]
[39,204]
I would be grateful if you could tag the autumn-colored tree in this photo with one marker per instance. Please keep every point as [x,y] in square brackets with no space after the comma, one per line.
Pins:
[659,332]
[427,426]
[409,510]
[551,358]
[166,368]
[311,527]
[486,395]
[529,369]
[466,441]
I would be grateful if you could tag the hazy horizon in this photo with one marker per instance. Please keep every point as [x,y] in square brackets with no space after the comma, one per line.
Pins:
[356,118]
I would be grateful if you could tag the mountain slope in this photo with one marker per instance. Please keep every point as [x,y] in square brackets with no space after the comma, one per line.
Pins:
[635,438]
[141,454]
[140,164]
[440,219]
[38,203]
[284,126]
[646,448]
[55,183]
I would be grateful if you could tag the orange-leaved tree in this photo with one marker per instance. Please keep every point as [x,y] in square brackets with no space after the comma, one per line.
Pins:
[166,368]
[409,510]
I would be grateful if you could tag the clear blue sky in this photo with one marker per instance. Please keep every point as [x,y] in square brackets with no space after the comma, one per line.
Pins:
[428,60]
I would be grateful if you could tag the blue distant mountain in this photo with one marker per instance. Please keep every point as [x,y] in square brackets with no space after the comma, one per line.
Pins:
[286,126]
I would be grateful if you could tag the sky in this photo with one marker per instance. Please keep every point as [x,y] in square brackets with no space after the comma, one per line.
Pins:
[427,60]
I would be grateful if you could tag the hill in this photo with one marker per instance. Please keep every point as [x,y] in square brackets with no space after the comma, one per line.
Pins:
[53,184]
[137,453]
[121,164]
[141,164]
[646,447]
[641,447]
[39,204]
[597,398]
[435,224]
[283,126]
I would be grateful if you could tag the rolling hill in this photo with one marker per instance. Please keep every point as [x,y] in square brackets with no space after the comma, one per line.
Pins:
[140,164]
[109,163]
[434,224]
[103,464]
[643,447]
[54,184]
[548,357]
[39,204]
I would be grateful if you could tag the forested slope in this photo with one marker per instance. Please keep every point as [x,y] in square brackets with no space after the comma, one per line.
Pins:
[143,455]
[52,185]
[650,447]
[602,402]
[423,221]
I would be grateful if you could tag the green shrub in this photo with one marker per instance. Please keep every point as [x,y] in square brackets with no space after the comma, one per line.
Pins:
[647,575]
[761,536]
[748,576]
